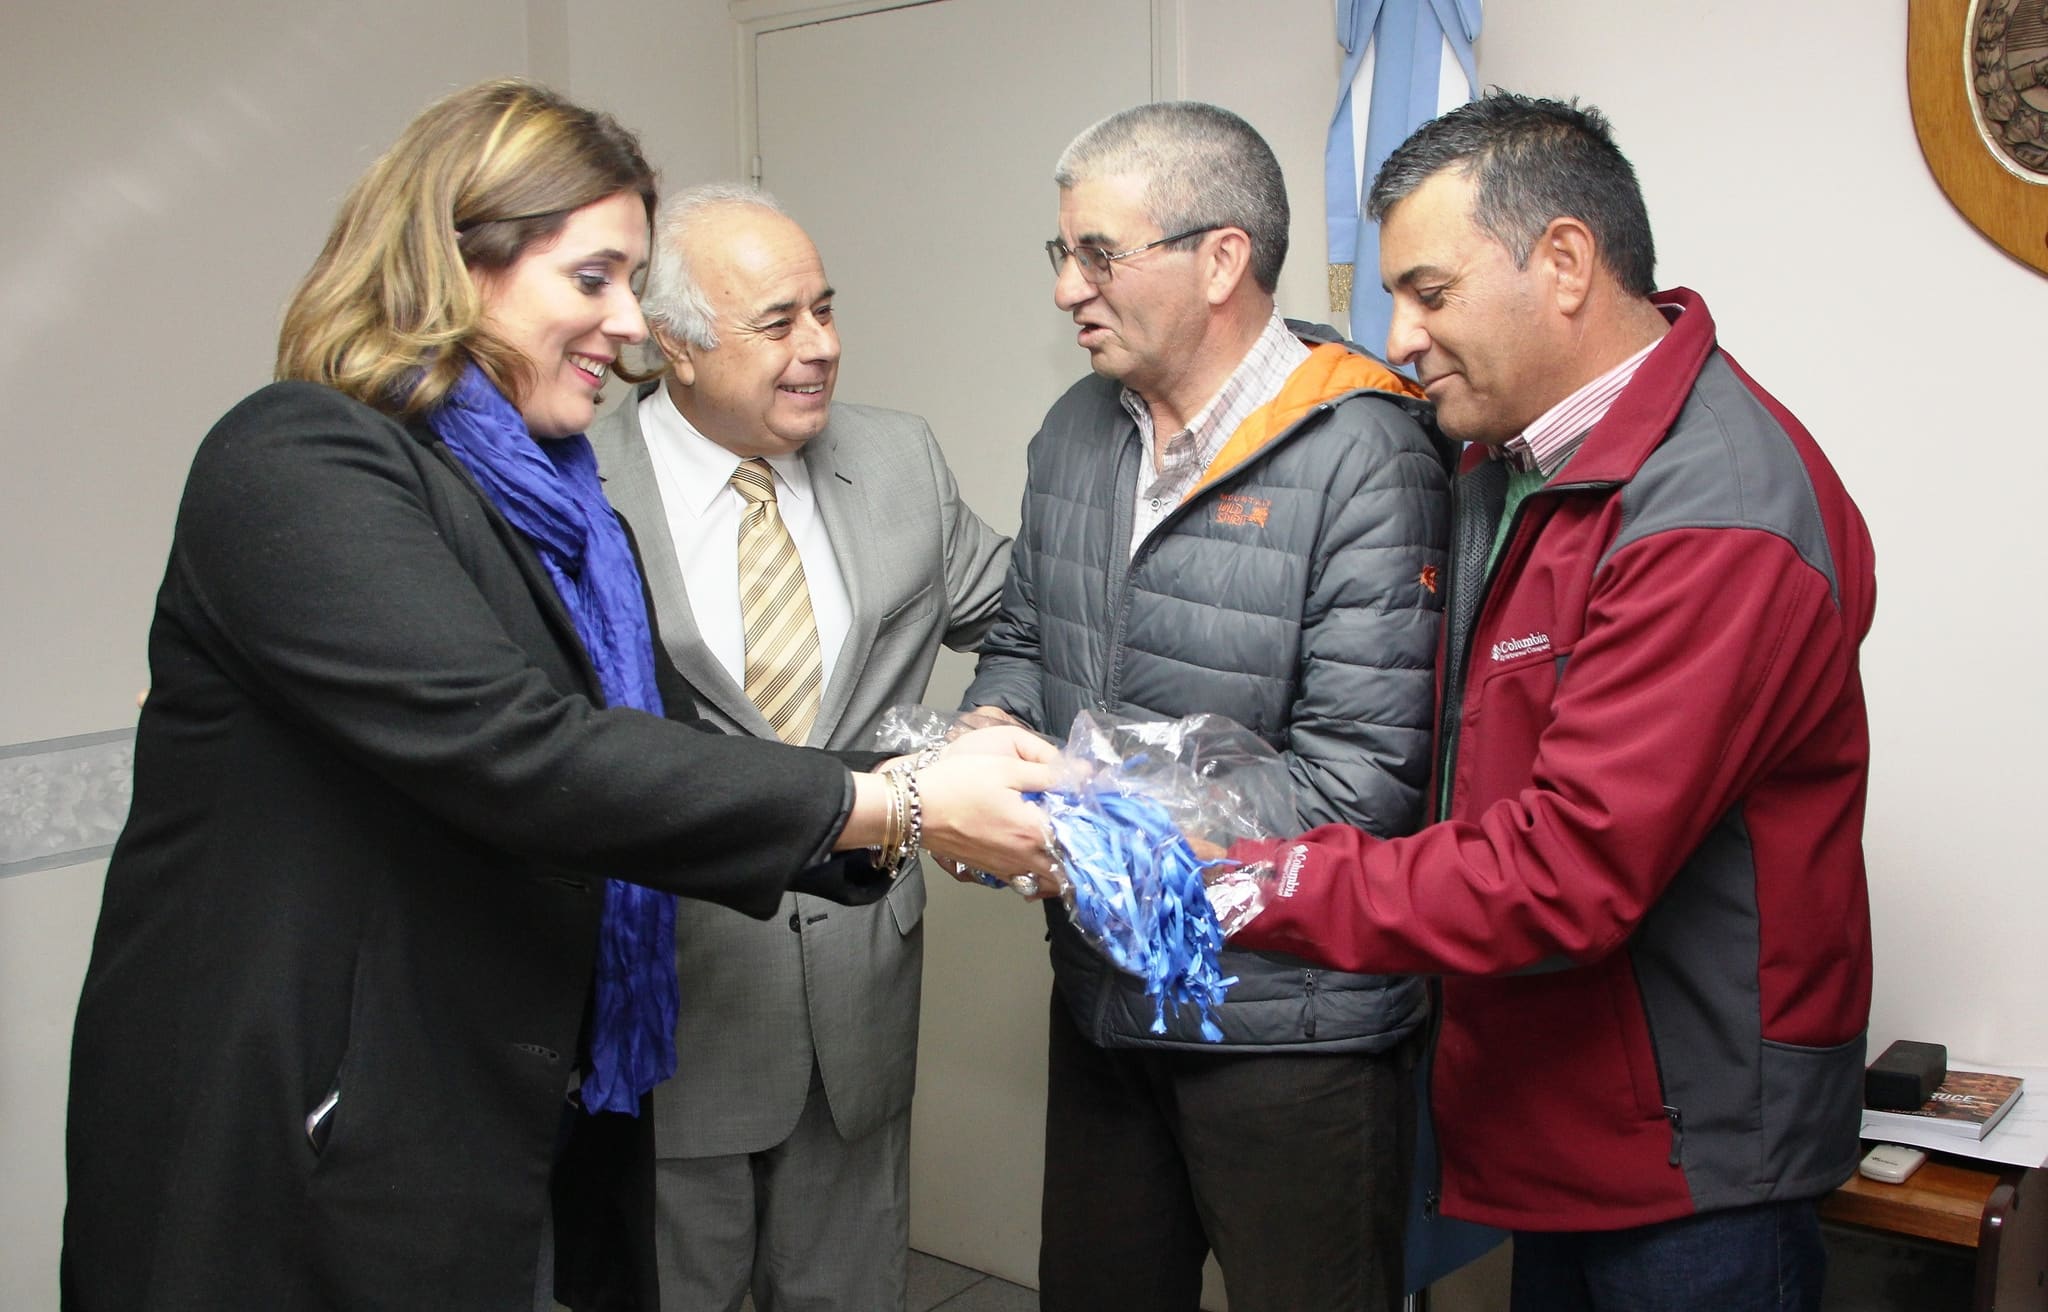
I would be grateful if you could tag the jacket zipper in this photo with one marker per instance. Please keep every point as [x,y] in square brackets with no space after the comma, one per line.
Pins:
[1120,610]
[1459,663]
[1120,599]
[1308,1003]
[1672,1115]
[1433,1188]
[1112,665]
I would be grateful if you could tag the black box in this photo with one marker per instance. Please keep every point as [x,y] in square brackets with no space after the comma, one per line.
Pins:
[1905,1076]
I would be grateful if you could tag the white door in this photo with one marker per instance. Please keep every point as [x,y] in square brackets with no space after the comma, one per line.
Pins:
[917,147]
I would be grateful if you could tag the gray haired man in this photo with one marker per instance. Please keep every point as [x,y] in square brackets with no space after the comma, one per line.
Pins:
[783,1139]
[1235,514]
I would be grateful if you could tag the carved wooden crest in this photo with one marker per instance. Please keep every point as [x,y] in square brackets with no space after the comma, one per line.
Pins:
[1977,74]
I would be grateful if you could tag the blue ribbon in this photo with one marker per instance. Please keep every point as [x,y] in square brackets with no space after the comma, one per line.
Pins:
[1137,895]
[1408,38]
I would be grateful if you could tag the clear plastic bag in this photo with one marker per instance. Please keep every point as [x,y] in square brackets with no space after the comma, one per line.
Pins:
[1218,780]
[906,730]
[1142,811]
[1237,893]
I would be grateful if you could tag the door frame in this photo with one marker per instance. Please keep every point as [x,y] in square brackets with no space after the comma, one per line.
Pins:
[754,18]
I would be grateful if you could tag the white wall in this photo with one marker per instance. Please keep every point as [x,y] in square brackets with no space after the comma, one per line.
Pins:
[1275,63]
[1785,184]
[666,68]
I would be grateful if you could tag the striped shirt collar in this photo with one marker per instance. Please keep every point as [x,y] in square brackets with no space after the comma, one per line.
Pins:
[1545,445]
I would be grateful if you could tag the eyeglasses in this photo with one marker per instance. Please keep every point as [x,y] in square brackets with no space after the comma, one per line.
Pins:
[1097,264]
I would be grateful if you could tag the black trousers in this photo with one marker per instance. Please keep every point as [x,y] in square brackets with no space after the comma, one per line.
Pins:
[1294,1169]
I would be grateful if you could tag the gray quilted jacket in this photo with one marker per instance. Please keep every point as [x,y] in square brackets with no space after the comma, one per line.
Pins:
[1296,594]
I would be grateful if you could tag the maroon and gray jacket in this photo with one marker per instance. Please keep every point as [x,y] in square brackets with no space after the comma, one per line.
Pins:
[1648,898]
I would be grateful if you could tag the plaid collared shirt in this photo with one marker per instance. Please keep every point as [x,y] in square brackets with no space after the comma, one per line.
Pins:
[1258,378]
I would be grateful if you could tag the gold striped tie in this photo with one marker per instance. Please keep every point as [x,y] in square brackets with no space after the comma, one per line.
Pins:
[775,607]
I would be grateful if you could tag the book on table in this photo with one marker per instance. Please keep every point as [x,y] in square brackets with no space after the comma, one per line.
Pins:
[1968,1103]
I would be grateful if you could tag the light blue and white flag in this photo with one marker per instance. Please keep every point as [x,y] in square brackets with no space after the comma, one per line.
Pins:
[1407,61]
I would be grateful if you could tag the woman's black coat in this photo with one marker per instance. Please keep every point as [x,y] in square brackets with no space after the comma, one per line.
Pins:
[377,795]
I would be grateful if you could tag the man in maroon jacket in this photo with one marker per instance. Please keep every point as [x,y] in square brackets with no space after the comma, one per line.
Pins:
[1646,892]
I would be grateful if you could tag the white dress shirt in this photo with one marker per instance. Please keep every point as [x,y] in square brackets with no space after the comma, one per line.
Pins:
[703,510]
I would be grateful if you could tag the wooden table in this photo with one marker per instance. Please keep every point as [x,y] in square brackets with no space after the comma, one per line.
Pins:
[2000,1212]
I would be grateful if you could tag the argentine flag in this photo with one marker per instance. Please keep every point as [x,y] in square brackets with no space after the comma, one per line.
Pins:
[1405,62]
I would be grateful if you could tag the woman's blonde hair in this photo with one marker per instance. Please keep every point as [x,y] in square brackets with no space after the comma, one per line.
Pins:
[390,312]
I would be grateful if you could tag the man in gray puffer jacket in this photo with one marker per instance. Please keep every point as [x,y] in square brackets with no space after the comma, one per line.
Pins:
[1239,515]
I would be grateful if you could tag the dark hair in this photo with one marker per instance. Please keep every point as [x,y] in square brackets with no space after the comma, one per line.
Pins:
[1534,160]
[1204,167]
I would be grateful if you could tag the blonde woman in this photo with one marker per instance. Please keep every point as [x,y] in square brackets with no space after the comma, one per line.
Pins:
[411,793]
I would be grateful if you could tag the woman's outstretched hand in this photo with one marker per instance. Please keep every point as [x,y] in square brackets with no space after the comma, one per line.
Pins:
[973,816]
[969,799]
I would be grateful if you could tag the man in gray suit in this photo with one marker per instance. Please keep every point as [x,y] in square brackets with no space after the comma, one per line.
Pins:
[784,1137]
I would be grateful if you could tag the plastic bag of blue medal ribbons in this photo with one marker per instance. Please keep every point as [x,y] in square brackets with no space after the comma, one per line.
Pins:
[1139,825]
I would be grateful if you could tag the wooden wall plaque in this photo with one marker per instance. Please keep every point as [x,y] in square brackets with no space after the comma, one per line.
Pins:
[1977,76]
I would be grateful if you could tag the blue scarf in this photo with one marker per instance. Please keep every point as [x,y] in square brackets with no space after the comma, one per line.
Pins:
[550,492]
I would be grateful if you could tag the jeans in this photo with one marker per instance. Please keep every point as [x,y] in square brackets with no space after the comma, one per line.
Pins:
[1766,1258]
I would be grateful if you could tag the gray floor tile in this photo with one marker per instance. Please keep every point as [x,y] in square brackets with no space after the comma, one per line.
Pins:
[935,1283]
[933,1280]
[992,1295]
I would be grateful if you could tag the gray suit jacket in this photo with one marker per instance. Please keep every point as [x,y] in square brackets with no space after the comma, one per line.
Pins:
[759,999]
